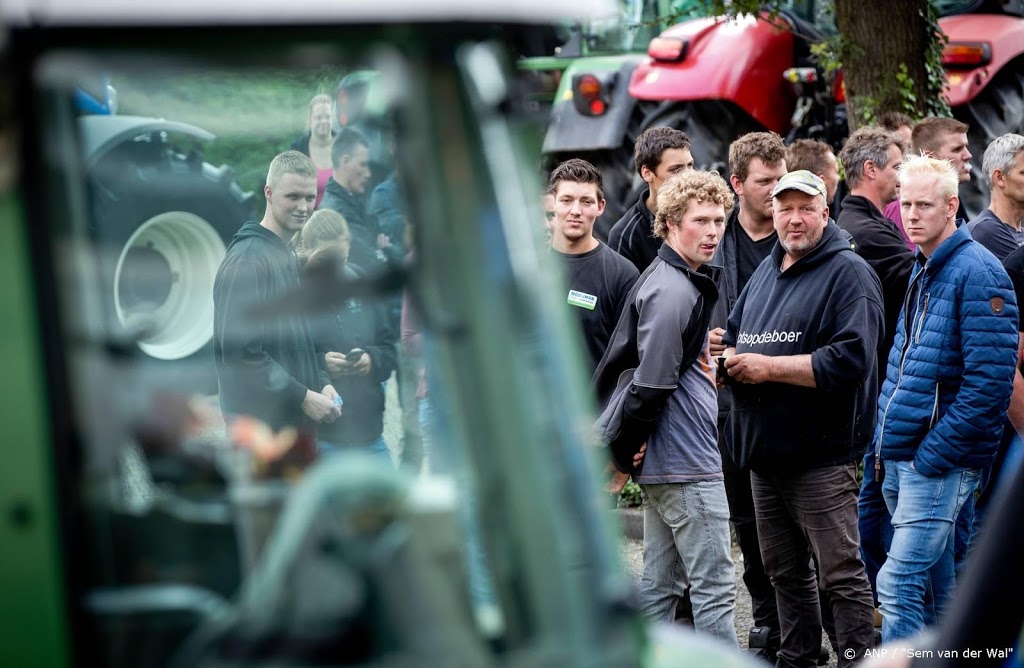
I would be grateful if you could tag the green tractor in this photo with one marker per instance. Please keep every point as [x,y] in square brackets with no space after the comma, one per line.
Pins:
[140,529]
[598,55]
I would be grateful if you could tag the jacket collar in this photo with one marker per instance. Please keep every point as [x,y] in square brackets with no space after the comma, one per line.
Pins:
[641,206]
[947,249]
[700,277]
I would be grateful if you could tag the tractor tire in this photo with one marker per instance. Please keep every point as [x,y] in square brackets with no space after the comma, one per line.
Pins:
[711,126]
[161,221]
[997,110]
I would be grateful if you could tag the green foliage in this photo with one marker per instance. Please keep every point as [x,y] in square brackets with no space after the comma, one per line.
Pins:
[934,103]
[630,496]
[255,114]
[835,50]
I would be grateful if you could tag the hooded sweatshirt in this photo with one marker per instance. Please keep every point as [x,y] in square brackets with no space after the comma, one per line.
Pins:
[264,367]
[827,304]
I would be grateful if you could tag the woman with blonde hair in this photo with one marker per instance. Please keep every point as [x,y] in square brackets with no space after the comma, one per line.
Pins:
[316,142]
[354,341]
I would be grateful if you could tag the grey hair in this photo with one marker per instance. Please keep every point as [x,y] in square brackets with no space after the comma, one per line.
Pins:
[868,143]
[1001,154]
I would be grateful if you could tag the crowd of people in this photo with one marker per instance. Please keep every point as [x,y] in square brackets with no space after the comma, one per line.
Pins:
[843,391]
[320,373]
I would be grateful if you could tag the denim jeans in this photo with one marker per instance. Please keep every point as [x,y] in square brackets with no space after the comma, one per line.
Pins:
[874,523]
[924,510]
[375,447]
[805,514]
[686,542]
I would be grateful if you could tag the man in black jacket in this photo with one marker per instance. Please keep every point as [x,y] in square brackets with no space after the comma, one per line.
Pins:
[659,154]
[801,354]
[346,194]
[269,369]
[871,157]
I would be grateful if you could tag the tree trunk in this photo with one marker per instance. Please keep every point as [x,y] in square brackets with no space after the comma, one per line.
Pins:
[880,33]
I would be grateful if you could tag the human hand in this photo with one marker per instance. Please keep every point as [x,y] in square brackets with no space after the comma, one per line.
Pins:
[319,408]
[363,364]
[638,458]
[749,368]
[383,241]
[336,364]
[715,341]
[617,482]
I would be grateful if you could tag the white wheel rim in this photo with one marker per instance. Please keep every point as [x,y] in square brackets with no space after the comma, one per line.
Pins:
[193,251]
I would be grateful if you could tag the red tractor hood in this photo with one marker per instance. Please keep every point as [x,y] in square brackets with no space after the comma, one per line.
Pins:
[738,60]
[1004,36]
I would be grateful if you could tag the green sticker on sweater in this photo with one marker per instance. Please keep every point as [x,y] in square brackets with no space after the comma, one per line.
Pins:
[582,299]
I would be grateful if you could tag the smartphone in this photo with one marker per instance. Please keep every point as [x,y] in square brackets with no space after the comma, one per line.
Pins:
[354,355]
[723,375]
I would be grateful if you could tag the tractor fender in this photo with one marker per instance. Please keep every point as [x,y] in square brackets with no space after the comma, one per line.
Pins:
[736,60]
[1005,37]
[101,134]
[570,131]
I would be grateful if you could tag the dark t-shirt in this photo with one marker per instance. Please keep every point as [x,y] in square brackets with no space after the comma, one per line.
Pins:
[750,253]
[599,281]
[1014,265]
[995,235]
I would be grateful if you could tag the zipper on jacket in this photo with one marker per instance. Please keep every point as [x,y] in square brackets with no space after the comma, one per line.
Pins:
[920,321]
[908,327]
[935,408]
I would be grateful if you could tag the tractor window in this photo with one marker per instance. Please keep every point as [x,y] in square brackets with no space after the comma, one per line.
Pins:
[253,380]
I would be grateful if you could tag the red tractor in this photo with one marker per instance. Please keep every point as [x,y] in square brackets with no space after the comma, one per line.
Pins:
[716,79]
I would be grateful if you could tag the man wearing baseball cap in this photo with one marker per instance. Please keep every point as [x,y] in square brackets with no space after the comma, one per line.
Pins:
[801,360]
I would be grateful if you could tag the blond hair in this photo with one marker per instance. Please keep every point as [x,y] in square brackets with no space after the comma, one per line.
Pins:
[675,195]
[322,98]
[319,237]
[946,179]
[290,162]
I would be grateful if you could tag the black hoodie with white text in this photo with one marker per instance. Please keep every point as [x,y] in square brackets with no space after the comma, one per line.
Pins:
[827,304]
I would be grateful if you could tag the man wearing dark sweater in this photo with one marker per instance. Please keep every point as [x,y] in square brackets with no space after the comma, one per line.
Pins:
[269,369]
[998,228]
[346,194]
[659,154]
[801,354]
[599,279]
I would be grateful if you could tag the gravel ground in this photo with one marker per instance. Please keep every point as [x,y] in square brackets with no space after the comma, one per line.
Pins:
[632,559]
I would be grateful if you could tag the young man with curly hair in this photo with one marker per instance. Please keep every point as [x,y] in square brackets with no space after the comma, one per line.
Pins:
[659,382]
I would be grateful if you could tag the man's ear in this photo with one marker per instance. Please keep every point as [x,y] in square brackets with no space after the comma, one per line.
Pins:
[736,184]
[267,192]
[646,174]
[600,206]
[998,178]
[870,169]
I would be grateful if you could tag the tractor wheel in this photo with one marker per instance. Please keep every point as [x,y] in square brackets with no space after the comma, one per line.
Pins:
[711,126]
[999,109]
[161,221]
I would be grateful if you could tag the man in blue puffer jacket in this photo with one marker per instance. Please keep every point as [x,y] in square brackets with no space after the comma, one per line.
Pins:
[944,399]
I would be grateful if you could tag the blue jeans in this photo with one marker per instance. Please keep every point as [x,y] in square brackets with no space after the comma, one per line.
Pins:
[924,511]
[807,513]
[874,523]
[375,447]
[686,542]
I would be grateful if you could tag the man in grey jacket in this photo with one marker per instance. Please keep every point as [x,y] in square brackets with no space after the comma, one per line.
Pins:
[660,384]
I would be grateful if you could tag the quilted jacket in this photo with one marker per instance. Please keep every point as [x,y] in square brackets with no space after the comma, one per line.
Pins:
[950,370]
